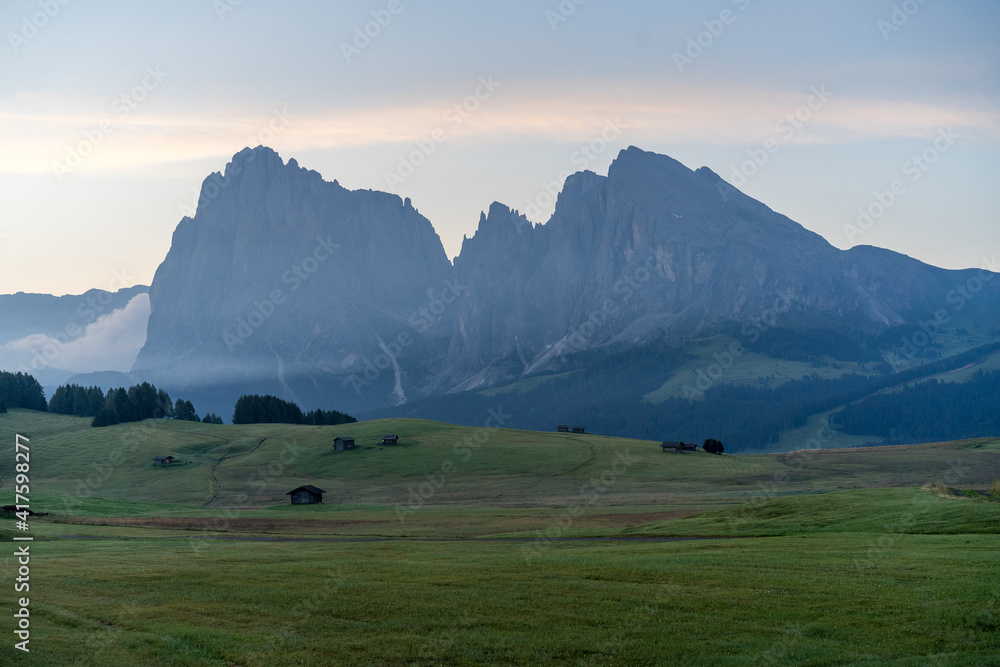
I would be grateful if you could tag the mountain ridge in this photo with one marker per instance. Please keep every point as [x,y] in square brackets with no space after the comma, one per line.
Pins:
[288,283]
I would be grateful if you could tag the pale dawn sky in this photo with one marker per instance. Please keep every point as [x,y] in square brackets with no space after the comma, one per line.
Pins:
[112,114]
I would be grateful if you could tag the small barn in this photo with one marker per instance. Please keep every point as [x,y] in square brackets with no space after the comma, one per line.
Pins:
[162,460]
[306,495]
[678,447]
[563,429]
[391,439]
[579,429]
[343,444]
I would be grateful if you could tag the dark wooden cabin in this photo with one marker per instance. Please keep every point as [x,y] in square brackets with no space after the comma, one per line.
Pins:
[343,444]
[579,429]
[678,447]
[163,460]
[306,495]
[391,439]
[563,429]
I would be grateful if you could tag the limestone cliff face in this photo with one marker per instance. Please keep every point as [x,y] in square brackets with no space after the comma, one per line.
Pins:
[347,298]
[281,275]
[657,250]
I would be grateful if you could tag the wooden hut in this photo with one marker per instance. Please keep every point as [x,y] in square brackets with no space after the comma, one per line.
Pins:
[391,439]
[562,429]
[162,460]
[579,429]
[343,444]
[306,495]
[677,446]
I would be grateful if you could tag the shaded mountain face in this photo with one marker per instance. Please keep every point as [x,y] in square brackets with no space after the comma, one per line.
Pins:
[285,282]
[656,251]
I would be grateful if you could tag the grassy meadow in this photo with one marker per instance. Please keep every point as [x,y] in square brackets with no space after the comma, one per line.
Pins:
[822,557]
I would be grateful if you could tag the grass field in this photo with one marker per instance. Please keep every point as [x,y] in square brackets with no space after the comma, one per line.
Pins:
[820,557]
[442,465]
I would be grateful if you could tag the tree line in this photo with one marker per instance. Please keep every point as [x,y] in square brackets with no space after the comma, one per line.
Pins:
[122,406]
[146,401]
[254,409]
[20,390]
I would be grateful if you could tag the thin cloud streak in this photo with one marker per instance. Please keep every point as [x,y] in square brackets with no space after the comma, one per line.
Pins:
[35,141]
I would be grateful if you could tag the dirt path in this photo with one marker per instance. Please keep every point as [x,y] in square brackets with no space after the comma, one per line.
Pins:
[593,456]
[218,486]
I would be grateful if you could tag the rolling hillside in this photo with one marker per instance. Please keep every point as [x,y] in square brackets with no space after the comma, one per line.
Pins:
[439,464]
[142,566]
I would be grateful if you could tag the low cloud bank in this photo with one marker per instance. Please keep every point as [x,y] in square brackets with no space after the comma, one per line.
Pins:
[111,343]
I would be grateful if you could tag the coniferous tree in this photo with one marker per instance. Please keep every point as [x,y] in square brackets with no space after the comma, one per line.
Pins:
[106,416]
[58,401]
[163,404]
[81,403]
[96,400]
[184,411]
[20,390]
[123,406]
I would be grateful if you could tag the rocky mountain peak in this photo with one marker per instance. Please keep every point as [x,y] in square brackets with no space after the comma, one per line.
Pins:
[332,296]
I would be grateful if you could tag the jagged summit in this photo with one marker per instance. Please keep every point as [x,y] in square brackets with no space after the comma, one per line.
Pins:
[287,283]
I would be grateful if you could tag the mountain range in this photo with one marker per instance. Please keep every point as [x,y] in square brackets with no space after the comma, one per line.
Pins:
[286,283]
[656,300]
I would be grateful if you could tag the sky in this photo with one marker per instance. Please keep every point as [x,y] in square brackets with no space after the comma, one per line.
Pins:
[869,122]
